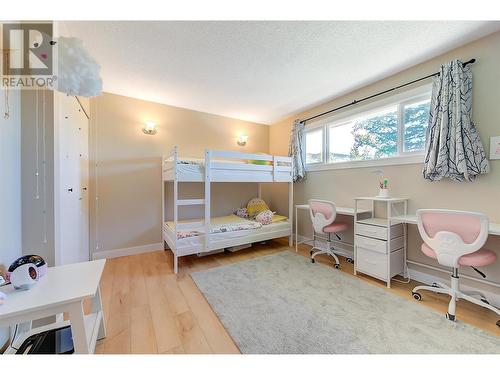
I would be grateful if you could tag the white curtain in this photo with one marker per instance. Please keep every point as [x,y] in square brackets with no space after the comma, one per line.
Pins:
[453,147]
[296,151]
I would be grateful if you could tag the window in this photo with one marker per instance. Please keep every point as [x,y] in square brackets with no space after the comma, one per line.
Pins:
[393,129]
[314,146]
[415,119]
[374,136]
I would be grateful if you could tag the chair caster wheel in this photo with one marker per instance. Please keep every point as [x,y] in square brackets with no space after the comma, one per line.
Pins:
[450,317]
[416,296]
[311,252]
[313,261]
[434,285]
[337,266]
[498,323]
[485,301]
[350,260]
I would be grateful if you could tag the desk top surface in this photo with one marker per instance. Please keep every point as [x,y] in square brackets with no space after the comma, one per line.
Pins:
[412,219]
[340,210]
[382,199]
[60,285]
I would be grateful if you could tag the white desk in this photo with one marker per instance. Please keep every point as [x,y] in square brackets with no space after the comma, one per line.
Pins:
[412,219]
[62,289]
[348,211]
[494,230]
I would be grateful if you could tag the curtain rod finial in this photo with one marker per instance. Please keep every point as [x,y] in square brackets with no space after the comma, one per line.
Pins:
[471,61]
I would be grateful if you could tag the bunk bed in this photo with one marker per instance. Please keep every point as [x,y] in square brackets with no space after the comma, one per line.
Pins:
[207,234]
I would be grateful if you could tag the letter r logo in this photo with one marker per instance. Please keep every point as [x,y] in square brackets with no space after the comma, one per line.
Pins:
[27,48]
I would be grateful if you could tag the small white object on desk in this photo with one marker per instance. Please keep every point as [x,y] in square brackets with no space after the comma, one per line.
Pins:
[383,193]
[383,188]
[62,289]
[24,277]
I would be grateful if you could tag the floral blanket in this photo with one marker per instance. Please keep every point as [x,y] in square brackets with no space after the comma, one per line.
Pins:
[231,223]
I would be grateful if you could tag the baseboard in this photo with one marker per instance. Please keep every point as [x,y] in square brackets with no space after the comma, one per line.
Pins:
[106,254]
[428,279]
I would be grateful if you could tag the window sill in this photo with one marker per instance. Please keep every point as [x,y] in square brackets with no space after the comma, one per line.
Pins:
[398,160]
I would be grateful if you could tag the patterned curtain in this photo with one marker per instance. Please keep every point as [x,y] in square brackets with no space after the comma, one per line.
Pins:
[296,151]
[453,147]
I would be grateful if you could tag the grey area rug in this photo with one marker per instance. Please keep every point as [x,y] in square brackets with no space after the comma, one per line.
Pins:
[282,303]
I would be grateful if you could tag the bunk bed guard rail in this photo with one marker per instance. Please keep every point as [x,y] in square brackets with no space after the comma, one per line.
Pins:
[227,166]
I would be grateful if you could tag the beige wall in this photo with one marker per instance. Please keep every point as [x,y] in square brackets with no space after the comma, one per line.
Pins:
[342,186]
[127,179]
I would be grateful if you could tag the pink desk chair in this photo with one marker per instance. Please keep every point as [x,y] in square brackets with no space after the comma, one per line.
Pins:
[455,238]
[323,214]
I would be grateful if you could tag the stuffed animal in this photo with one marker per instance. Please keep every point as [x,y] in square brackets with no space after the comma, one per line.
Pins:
[265,217]
[256,206]
[242,212]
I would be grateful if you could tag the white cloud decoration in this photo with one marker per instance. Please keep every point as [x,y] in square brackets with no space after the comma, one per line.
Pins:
[78,72]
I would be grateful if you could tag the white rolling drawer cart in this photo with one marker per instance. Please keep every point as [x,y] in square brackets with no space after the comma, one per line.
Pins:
[379,245]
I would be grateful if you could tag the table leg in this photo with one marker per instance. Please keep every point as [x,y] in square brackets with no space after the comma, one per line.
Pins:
[388,243]
[96,307]
[296,231]
[76,318]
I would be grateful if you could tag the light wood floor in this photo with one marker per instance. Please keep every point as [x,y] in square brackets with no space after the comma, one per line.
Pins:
[148,309]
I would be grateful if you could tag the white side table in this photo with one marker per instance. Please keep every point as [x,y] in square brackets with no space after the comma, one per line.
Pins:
[62,289]
[379,244]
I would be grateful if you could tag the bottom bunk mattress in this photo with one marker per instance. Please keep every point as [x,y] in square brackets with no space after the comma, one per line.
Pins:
[225,231]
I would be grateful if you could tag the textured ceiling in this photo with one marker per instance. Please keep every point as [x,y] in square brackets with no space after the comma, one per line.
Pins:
[260,71]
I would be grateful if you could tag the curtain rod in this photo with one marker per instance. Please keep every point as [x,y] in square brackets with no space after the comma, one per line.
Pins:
[354,102]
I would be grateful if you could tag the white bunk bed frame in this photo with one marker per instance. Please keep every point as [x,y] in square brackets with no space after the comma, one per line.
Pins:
[221,166]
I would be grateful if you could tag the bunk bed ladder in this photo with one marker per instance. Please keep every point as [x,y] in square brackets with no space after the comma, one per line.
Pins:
[176,207]
[204,221]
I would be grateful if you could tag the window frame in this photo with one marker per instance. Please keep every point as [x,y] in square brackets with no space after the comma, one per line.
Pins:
[401,125]
[399,100]
[322,148]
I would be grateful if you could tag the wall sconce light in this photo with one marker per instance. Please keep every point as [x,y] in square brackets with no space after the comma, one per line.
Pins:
[242,140]
[149,128]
